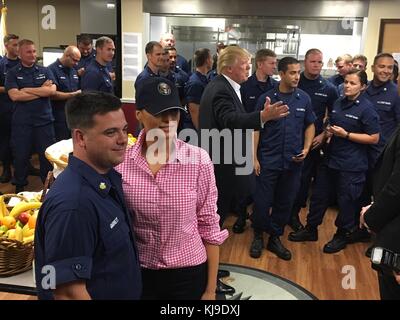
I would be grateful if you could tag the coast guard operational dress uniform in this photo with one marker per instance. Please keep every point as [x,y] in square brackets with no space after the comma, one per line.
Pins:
[343,172]
[279,179]
[386,101]
[67,80]
[97,78]
[252,89]
[32,121]
[6,111]
[323,95]
[84,231]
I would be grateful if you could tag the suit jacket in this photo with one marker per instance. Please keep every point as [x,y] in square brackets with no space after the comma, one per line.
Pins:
[383,217]
[220,108]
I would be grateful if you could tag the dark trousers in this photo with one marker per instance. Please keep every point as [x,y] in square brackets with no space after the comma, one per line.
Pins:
[5,137]
[24,138]
[60,124]
[309,170]
[277,190]
[346,186]
[174,284]
[238,191]
[389,289]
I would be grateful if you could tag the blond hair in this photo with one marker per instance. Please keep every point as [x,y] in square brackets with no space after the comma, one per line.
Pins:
[229,56]
[345,57]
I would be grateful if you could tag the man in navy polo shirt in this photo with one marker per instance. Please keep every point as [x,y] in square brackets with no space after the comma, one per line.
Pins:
[168,40]
[88,54]
[261,81]
[282,147]
[195,86]
[323,95]
[84,238]
[382,92]
[30,87]
[154,53]
[96,76]
[343,65]
[67,82]
[9,61]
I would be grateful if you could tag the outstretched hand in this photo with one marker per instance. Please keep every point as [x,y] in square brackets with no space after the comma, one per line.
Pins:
[273,111]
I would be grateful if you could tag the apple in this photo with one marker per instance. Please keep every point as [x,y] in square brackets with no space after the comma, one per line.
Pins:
[24,217]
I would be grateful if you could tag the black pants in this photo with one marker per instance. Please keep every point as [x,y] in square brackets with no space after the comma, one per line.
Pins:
[388,287]
[174,284]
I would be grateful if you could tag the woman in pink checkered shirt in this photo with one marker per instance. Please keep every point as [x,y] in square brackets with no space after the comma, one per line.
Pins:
[170,187]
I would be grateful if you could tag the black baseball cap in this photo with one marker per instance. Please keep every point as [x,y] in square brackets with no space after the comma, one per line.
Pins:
[156,95]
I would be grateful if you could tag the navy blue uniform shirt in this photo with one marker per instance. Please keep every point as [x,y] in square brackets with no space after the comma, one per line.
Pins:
[96,78]
[252,89]
[336,80]
[386,101]
[146,73]
[182,63]
[6,104]
[85,61]
[84,231]
[67,80]
[179,78]
[323,95]
[358,116]
[35,112]
[194,87]
[282,139]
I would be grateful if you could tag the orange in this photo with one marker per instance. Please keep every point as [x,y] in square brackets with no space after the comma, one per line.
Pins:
[32,221]
[9,222]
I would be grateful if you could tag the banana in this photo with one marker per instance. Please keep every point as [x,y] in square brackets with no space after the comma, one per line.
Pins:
[28,239]
[24,206]
[10,234]
[18,233]
[3,209]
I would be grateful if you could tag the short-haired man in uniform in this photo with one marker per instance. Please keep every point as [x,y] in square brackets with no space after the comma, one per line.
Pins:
[382,93]
[168,40]
[282,147]
[97,76]
[67,82]
[30,86]
[154,54]
[194,88]
[9,61]
[343,64]
[85,46]
[323,94]
[84,229]
[260,81]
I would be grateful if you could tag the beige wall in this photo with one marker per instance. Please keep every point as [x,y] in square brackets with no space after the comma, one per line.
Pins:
[378,9]
[132,20]
[24,18]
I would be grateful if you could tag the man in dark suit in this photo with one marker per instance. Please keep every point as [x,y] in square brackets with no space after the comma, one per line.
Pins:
[222,112]
[383,215]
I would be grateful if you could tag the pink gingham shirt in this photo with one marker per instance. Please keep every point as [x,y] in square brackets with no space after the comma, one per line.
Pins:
[175,211]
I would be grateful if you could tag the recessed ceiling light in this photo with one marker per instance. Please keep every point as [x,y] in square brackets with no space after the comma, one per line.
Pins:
[110,5]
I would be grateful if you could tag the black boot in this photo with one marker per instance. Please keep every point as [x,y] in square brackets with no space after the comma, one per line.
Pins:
[19,189]
[359,235]
[275,245]
[32,171]
[6,176]
[338,242]
[257,245]
[306,234]
[240,223]
[295,223]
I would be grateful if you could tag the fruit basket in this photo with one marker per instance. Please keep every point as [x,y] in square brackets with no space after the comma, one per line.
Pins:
[17,229]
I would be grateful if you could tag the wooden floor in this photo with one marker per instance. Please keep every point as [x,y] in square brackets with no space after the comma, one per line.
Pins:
[321,274]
